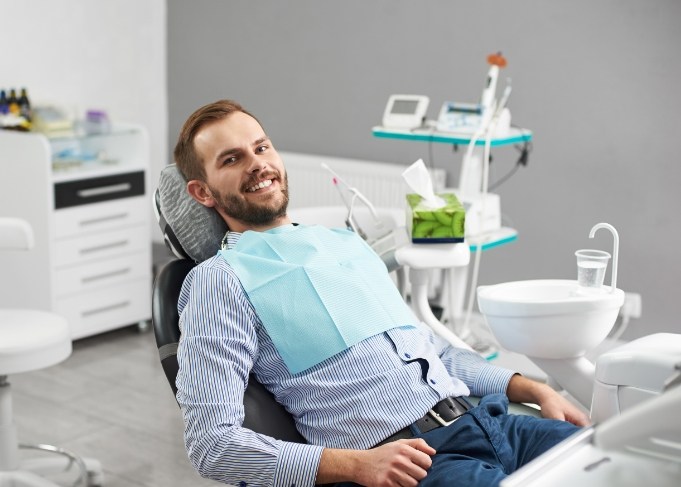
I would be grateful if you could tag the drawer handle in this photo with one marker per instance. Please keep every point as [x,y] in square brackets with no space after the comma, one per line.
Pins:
[104,309]
[105,275]
[102,219]
[111,245]
[113,188]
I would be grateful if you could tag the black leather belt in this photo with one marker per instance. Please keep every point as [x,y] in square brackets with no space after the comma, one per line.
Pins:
[443,413]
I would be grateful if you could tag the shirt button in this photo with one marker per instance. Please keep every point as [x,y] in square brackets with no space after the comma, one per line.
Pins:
[407,355]
[433,381]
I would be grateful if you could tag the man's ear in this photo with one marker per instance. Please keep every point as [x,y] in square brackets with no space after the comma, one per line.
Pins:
[200,192]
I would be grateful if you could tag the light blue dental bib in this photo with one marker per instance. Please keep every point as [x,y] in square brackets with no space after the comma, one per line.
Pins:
[317,291]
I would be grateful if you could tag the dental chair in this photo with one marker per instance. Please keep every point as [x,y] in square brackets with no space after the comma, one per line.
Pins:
[32,340]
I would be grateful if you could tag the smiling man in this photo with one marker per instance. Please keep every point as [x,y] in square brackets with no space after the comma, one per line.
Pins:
[314,315]
[256,199]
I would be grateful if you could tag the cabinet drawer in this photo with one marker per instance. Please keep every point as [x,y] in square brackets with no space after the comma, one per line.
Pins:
[108,272]
[100,217]
[103,245]
[94,190]
[106,309]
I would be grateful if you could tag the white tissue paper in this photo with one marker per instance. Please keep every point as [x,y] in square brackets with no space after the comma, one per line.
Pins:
[418,179]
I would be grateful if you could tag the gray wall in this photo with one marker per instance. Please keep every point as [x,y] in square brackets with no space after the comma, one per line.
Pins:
[597,83]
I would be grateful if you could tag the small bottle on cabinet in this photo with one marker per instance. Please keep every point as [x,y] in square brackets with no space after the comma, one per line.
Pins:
[24,105]
[13,102]
[4,103]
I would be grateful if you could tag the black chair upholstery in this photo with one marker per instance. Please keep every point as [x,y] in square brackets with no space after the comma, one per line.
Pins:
[262,413]
[164,314]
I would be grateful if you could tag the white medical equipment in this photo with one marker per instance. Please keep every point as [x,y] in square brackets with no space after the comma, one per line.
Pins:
[555,322]
[405,111]
[483,209]
[487,125]
[466,118]
[459,117]
[483,121]
[632,390]
[479,126]
[633,373]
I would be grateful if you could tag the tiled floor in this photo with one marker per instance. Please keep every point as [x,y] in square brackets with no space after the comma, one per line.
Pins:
[110,401]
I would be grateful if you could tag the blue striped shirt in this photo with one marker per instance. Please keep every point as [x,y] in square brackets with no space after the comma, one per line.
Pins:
[354,399]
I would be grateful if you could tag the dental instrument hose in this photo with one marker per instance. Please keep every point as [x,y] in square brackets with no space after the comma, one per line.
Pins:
[488,130]
[478,252]
[464,331]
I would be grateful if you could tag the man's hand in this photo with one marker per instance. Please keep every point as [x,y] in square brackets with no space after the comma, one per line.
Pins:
[553,405]
[399,463]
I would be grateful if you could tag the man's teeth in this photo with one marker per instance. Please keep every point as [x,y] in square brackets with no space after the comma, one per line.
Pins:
[260,185]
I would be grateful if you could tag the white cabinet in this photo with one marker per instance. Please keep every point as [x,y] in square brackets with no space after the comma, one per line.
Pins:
[87,201]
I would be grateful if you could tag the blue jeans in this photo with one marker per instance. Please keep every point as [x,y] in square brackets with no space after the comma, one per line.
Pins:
[486,444]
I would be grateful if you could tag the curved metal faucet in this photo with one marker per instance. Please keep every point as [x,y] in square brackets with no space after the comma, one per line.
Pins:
[615,252]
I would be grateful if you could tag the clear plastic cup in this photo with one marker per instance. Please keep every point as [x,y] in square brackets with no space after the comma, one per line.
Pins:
[591,267]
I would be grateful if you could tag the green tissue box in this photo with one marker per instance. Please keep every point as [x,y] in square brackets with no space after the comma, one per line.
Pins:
[442,225]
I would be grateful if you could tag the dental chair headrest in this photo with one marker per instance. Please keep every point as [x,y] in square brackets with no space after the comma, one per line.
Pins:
[190,230]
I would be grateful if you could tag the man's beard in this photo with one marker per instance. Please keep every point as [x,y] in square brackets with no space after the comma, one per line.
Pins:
[253,213]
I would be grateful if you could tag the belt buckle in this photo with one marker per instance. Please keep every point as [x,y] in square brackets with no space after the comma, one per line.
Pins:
[439,419]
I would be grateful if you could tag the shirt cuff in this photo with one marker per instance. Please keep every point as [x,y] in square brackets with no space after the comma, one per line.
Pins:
[492,380]
[297,465]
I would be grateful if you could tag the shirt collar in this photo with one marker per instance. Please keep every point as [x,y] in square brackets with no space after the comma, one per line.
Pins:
[231,238]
